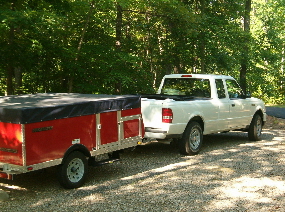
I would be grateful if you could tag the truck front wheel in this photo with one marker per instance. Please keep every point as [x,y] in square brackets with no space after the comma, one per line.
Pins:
[255,128]
[192,139]
[72,172]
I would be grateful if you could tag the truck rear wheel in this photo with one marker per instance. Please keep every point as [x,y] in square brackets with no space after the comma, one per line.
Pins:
[192,139]
[72,172]
[255,128]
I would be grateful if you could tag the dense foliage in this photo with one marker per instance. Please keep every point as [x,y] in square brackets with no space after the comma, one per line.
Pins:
[126,46]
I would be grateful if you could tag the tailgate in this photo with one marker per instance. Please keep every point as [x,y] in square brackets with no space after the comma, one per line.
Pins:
[151,112]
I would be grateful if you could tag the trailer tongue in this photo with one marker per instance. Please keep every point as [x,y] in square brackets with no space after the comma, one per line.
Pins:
[70,130]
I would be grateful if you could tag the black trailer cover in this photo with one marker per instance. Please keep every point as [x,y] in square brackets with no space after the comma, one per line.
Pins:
[32,108]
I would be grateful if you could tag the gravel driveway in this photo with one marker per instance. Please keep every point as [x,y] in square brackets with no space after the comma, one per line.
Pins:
[230,174]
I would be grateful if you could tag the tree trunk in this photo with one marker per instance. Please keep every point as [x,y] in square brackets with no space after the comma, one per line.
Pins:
[10,66]
[81,41]
[202,38]
[18,80]
[245,49]
[203,53]
[9,80]
[119,24]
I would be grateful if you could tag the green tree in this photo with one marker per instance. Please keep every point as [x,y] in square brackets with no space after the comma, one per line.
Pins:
[127,46]
[268,34]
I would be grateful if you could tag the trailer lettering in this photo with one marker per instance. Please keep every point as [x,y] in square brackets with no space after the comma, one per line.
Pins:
[42,129]
[8,150]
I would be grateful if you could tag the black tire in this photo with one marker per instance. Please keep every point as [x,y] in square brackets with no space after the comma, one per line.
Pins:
[192,139]
[255,128]
[73,171]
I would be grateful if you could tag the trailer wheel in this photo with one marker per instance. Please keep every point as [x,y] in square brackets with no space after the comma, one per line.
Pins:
[255,128]
[192,139]
[72,172]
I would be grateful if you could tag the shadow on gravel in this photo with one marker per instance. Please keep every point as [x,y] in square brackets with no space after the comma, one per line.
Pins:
[230,174]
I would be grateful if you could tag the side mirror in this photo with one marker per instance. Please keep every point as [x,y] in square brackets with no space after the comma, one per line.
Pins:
[244,96]
[248,95]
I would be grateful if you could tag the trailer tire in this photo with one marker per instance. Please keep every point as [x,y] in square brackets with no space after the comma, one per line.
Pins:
[255,128]
[73,171]
[192,139]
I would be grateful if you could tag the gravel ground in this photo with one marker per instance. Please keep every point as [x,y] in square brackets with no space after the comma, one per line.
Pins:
[230,174]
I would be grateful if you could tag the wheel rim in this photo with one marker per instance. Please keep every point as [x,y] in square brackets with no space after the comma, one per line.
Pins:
[258,126]
[75,170]
[194,138]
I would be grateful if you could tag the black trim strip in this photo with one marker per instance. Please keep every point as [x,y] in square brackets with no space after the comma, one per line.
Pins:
[154,130]
[8,150]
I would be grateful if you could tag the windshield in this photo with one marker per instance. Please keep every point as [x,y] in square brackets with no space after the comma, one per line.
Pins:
[195,87]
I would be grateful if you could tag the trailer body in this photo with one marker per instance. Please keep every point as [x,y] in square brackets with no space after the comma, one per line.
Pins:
[39,130]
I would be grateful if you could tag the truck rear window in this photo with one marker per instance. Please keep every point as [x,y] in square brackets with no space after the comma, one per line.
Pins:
[195,87]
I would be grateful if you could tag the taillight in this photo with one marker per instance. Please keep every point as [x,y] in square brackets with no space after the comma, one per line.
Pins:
[167,115]
[186,75]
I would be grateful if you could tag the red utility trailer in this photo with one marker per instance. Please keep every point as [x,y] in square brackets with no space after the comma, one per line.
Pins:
[69,130]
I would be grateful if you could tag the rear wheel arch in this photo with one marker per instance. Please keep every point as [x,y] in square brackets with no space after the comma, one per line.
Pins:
[77,147]
[199,120]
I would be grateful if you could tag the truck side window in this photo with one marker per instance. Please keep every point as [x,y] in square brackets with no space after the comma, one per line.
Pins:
[220,89]
[234,90]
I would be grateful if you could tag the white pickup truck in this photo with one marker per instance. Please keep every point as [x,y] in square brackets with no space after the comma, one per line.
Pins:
[188,106]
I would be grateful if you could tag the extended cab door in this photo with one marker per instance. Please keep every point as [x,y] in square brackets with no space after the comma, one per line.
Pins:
[223,105]
[239,105]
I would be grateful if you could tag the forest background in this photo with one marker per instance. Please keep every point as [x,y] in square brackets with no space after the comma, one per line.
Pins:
[127,46]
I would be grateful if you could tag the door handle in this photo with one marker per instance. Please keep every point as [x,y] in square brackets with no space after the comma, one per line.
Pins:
[233,105]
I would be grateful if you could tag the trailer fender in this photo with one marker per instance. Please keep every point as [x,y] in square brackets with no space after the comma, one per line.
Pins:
[76,147]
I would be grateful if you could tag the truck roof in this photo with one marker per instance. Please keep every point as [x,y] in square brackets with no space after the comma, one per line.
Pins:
[206,76]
